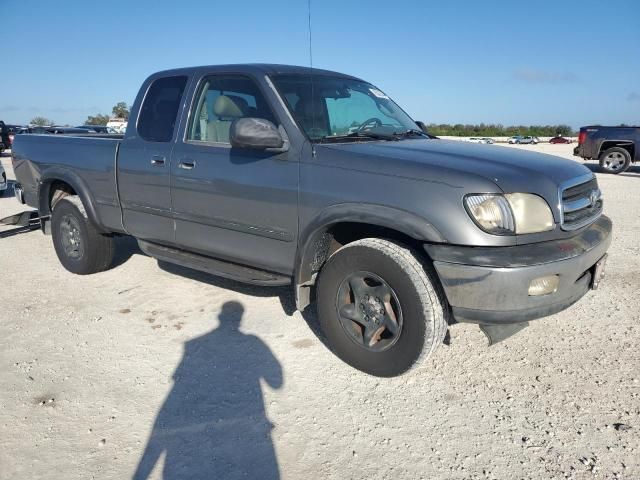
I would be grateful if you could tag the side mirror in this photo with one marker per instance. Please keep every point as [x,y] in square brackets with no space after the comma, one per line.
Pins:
[423,127]
[254,133]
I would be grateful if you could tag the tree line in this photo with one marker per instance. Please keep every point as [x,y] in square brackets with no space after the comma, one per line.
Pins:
[120,110]
[498,130]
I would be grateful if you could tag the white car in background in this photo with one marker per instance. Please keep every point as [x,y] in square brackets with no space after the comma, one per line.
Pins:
[481,140]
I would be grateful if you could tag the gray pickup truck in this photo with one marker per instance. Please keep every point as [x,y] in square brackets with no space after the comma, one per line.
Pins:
[616,148]
[282,175]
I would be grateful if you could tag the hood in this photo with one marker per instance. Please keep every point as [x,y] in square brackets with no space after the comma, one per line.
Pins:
[511,169]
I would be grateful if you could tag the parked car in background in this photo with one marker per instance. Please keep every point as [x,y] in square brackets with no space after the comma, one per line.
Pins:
[616,148]
[54,130]
[13,129]
[96,128]
[4,136]
[560,139]
[481,140]
[519,139]
[390,232]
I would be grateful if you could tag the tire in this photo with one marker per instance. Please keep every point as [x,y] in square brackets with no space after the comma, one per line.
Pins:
[615,160]
[416,302]
[81,249]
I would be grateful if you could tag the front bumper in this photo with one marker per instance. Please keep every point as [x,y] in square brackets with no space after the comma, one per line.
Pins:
[489,285]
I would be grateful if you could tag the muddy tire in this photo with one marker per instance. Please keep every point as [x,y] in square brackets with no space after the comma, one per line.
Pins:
[379,307]
[80,247]
[615,160]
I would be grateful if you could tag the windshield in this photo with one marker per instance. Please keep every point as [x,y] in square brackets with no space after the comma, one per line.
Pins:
[341,108]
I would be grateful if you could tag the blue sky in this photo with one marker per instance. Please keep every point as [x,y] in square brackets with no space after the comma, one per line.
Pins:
[446,62]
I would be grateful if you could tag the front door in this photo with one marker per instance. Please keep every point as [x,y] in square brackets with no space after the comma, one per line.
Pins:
[234,204]
[144,162]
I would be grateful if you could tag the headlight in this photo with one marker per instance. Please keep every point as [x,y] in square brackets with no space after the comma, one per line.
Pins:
[513,213]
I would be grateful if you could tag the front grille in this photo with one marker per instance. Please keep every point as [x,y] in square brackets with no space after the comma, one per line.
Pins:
[581,204]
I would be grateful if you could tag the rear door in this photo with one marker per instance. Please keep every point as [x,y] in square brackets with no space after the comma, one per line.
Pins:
[235,204]
[144,161]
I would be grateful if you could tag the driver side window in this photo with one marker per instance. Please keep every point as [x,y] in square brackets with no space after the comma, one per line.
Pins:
[221,100]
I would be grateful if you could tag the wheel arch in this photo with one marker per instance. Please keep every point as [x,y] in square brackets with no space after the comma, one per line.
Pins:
[628,145]
[342,224]
[58,178]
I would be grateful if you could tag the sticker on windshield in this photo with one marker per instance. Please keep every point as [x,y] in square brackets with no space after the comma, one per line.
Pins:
[378,93]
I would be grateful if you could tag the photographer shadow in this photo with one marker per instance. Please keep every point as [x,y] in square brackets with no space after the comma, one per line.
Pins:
[213,422]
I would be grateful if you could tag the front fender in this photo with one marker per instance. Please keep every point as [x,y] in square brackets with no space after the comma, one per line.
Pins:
[313,242]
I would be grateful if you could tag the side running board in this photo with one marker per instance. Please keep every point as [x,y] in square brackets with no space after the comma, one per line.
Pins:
[214,266]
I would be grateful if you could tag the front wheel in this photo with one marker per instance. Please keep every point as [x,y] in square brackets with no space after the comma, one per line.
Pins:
[615,160]
[80,247]
[379,308]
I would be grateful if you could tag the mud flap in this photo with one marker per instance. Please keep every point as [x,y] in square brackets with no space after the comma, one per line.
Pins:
[497,333]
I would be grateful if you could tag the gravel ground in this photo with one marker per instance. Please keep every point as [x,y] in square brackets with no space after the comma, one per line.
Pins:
[90,366]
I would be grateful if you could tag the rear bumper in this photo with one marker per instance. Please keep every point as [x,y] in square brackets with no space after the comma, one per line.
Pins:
[490,285]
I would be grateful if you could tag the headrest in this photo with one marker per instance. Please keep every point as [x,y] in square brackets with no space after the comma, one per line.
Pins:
[230,106]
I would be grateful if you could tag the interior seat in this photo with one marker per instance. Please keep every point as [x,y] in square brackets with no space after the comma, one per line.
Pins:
[226,108]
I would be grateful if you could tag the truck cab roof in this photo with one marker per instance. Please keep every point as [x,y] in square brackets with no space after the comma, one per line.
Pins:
[252,69]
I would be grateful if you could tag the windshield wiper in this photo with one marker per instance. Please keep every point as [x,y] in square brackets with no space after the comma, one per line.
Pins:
[411,132]
[363,134]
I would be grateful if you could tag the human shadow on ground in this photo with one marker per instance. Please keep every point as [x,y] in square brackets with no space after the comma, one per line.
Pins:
[213,422]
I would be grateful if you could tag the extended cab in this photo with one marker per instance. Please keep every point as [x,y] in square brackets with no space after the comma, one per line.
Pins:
[281,175]
[615,147]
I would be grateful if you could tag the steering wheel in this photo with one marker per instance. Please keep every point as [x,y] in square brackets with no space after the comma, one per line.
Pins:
[371,122]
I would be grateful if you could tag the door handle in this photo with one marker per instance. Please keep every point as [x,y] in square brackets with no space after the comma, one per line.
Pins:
[157,160]
[187,164]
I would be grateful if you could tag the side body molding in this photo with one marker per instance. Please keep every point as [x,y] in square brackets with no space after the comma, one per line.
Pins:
[313,243]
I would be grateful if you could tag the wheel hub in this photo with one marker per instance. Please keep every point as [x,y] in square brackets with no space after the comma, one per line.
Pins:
[372,309]
[71,237]
[369,311]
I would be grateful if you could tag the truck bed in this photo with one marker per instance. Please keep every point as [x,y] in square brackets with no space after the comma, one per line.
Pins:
[90,159]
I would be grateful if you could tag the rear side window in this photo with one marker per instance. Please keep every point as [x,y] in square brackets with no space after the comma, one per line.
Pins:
[160,108]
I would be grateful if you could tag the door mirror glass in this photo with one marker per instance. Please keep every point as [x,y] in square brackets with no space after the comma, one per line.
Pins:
[255,133]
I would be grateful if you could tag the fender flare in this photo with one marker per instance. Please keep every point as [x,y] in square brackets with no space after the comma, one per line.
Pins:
[619,143]
[55,174]
[312,237]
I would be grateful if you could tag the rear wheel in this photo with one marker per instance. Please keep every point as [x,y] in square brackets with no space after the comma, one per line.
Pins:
[80,247]
[615,160]
[379,308]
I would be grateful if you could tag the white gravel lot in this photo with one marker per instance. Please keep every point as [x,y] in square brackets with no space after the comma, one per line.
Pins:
[89,365]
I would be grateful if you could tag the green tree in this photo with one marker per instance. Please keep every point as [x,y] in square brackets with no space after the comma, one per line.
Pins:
[498,130]
[120,110]
[41,121]
[97,119]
